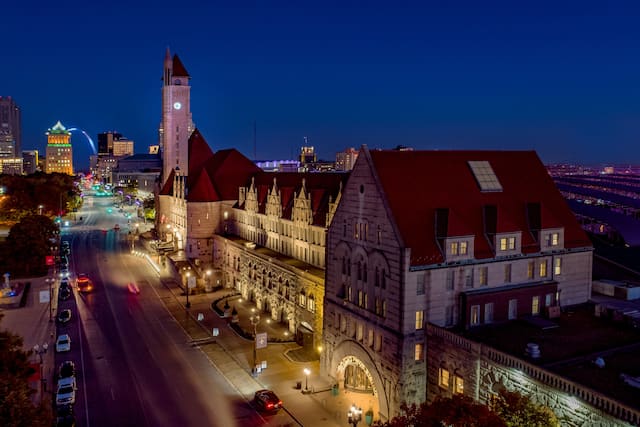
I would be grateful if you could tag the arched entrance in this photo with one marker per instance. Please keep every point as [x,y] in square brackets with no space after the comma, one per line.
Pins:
[356,373]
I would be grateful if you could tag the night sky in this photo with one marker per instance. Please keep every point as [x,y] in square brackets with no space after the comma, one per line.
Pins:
[560,77]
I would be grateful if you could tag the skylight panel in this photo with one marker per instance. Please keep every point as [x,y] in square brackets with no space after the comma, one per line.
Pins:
[486,178]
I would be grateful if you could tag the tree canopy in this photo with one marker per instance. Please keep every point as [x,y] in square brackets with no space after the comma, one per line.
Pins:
[29,242]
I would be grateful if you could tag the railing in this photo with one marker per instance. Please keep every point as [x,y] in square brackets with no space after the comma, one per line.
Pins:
[591,397]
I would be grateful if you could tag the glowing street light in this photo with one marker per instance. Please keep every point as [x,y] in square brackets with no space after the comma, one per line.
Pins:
[306,382]
[354,415]
[254,322]
[187,290]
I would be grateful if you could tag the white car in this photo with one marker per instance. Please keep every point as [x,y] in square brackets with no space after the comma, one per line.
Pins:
[66,394]
[63,343]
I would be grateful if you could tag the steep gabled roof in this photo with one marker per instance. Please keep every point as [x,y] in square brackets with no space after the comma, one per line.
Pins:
[229,170]
[416,183]
[178,69]
[199,153]
[167,188]
[203,190]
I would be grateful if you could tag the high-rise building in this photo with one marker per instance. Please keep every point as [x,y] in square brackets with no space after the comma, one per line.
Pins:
[59,150]
[30,161]
[346,159]
[177,124]
[122,147]
[10,128]
[307,154]
[105,142]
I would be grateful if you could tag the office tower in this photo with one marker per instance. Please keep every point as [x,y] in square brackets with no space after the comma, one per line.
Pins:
[59,150]
[10,128]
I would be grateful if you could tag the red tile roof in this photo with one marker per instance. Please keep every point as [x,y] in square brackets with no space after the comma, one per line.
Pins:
[203,190]
[416,183]
[199,153]
[167,188]
[178,69]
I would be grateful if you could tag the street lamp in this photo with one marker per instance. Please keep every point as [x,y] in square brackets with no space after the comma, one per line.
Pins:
[186,289]
[209,280]
[254,322]
[306,381]
[40,351]
[354,415]
[40,207]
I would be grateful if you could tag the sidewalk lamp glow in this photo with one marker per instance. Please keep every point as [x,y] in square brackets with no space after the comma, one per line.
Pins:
[40,350]
[254,322]
[306,382]
[187,290]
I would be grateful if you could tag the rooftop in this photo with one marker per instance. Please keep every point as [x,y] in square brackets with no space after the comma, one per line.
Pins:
[571,348]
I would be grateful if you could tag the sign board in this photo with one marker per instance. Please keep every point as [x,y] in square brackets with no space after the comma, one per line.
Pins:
[216,332]
[43,296]
[261,340]
[49,260]
[263,366]
[200,317]
[191,282]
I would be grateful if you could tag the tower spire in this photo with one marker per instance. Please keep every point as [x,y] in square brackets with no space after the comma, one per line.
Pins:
[168,65]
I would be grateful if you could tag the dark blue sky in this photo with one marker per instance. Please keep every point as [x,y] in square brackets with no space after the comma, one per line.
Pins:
[562,78]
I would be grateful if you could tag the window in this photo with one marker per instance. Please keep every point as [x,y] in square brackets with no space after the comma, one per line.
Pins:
[512,243]
[419,319]
[548,299]
[484,273]
[311,304]
[302,299]
[513,309]
[370,337]
[454,248]
[360,298]
[488,312]
[557,266]
[485,176]
[458,385]
[507,243]
[420,288]
[535,305]
[543,268]
[419,352]
[553,239]
[343,324]
[507,273]
[384,308]
[475,315]
[359,331]
[378,306]
[463,248]
[503,243]
[531,266]
[378,345]
[468,277]
[443,378]
[450,280]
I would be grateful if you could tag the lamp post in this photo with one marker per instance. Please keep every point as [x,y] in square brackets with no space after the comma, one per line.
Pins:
[306,381]
[40,350]
[254,322]
[354,415]
[187,290]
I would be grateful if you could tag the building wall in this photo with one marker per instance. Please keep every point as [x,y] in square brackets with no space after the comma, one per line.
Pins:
[176,126]
[484,371]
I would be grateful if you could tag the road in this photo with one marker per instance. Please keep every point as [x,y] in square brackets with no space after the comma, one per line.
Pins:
[135,364]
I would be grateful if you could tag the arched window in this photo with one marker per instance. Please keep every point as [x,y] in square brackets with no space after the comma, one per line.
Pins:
[302,299]
[364,272]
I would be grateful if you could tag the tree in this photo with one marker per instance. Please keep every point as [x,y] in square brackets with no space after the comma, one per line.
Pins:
[28,243]
[16,406]
[518,410]
[509,409]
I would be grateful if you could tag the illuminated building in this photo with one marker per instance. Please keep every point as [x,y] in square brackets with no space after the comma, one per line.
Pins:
[10,128]
[59,150]
[346,159]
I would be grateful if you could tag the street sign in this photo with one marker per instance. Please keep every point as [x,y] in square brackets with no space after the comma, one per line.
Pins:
[261,340]
[191,282]
[216,332]
[44,296]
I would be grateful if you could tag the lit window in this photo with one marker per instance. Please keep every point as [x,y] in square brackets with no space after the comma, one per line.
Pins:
[535,305]
[443,380]
[454,248]
[475,315]
[484,273]
[557,266]
[530,269]
[503,243]
[463,248]
[419,351]
[419,319]
[543,268]
[553,239]
[458,385]
[378,345]
[311,304]
[512,243]
[360,331]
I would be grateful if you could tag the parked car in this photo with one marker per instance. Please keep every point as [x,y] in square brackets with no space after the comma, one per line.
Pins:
[65,293]
[63,343]
[267,400]
[66,394]
[67,369]
[65,416]
[64,316]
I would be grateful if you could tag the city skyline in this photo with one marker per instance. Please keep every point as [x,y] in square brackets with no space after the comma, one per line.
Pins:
[560,80]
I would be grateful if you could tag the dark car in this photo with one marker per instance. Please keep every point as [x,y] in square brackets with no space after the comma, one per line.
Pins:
[267,400]
[64,316]
[65,293]
[65,417]
[67,369]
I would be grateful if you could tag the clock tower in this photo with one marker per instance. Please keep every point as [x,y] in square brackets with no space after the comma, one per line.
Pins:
[176,125]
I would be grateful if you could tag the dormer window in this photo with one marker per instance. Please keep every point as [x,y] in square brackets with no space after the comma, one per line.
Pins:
[507,243]
[552,239]
[458,248]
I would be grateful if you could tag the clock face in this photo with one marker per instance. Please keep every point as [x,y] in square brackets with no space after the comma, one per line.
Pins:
[177,105]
